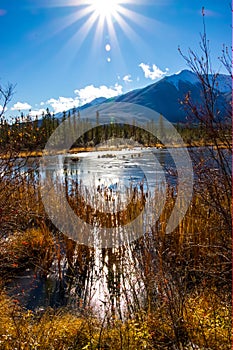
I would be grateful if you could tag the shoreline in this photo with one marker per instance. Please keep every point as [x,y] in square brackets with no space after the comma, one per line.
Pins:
[77,150]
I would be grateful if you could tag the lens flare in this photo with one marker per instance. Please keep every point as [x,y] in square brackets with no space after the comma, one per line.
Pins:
[100,19]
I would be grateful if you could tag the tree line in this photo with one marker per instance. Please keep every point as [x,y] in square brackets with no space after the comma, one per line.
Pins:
[27,134]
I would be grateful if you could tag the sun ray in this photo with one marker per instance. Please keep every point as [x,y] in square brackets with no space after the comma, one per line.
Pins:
[77,40]
[56,26]
[114,39]
[128,31]
[142,21]
[103,19]
[69,20]
[99,33]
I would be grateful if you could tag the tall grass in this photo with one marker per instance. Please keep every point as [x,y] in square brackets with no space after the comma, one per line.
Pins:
[162,291]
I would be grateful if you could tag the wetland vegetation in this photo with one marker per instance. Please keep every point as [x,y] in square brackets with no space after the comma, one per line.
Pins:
[160,291]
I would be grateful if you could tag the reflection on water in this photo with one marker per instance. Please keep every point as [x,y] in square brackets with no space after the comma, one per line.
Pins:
[110,175]
[116,170]
[100,277]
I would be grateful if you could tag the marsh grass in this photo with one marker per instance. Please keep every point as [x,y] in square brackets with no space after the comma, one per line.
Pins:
[206,325]
[164,291]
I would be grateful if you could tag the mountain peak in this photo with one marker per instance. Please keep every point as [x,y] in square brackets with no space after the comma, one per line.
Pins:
[222,83]
[184,75]
[165,95]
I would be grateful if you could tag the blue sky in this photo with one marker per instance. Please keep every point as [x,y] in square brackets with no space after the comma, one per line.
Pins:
[64,53]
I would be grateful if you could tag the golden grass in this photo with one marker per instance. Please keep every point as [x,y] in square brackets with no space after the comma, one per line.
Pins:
[23,329]
[34,248]
[190,274]
[206,323]
[75,150]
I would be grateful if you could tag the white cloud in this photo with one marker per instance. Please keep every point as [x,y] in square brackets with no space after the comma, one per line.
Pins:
[62,103]
[152,72]
[83,96]
[21,106]
[127,78]
[91,92]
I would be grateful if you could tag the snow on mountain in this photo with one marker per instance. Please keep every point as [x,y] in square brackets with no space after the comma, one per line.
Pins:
[165,95]
[223,82]
[185,75]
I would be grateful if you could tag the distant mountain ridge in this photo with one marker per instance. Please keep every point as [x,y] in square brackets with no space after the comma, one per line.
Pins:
[165,95]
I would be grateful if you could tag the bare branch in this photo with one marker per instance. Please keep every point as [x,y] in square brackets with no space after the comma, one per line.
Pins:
[6,94]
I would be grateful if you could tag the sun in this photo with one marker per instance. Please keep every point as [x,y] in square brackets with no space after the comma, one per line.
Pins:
[105,21]
[105,8]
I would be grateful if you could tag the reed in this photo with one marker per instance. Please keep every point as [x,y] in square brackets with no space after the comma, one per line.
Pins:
[162,290]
